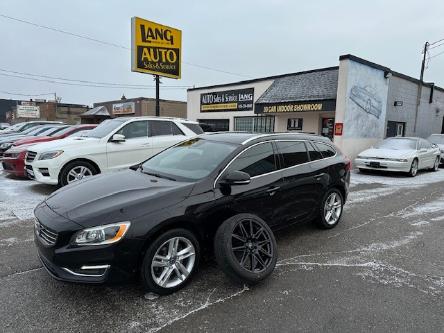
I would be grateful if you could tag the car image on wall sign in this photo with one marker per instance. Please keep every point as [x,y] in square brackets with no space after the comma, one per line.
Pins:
[367,100]
[114,145]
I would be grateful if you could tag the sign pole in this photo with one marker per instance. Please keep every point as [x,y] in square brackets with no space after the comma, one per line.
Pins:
[157,95]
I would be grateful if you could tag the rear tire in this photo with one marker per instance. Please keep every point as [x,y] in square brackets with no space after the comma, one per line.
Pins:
[76,170]
[245,249]
[330,210]
[436,165]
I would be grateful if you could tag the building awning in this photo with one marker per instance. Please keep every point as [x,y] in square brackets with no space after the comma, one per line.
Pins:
[307,91]
[98,111]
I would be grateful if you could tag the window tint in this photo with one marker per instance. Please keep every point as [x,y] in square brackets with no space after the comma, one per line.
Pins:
[194,127]
[161,127]
[136,129]
[313,152]
[255,161]
[293,152]
[326,150]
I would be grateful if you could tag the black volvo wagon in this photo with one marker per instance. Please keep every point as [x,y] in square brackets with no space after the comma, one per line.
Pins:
[224,190]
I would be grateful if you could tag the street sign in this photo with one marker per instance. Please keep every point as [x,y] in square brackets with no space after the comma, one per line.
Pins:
[28,111]
[155,48]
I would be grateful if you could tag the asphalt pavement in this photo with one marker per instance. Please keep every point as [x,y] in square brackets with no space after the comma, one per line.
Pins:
[380,269]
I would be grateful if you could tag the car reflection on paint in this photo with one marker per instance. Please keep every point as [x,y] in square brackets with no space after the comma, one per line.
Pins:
[366,99]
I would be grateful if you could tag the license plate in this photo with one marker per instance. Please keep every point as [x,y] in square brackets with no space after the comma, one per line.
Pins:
[375,164]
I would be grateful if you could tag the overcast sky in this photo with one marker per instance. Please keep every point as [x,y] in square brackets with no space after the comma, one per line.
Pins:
[250,38]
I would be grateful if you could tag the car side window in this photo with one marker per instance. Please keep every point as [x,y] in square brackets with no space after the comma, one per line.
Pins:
[136,129]
[293,152]
[325,149]
[255,161]
[164,127]
[313,152]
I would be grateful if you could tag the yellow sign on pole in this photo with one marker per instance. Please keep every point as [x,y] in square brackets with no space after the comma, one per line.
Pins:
[155,48]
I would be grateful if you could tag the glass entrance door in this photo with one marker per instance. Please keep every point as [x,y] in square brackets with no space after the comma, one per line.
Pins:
[328,125]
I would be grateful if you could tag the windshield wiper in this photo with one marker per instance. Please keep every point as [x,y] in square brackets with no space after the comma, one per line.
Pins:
[158,175]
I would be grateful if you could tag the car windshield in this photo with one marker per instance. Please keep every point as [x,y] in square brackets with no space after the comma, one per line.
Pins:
[397,144]
[188,161]
[105,128]
[51,130]
[437,139]
[61,131]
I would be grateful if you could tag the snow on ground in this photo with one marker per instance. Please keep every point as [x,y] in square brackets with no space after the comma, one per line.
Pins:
[395,179]
[19,197]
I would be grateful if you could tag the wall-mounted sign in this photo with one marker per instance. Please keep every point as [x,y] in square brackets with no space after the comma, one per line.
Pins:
[28,111]
[324,105]
[124,108]
[398,103]
[338,129]
[229,100]
[155,48]
[27,103]
[295,124]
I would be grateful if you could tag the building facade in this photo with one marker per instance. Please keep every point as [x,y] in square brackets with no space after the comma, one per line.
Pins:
[356,104]
[143,106]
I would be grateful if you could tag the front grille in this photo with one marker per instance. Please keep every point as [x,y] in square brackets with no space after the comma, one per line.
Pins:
[48,236]
[30,156]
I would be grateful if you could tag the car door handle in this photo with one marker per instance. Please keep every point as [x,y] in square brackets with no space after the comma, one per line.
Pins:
[272,190]
[319,177]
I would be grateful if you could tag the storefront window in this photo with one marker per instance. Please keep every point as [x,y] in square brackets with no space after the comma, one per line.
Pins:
[215,125]
[254,124]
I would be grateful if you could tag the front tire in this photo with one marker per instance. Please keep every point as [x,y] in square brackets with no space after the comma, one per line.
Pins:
[245,249]
[76,170]
[414,168]
[170,261]
[436,165]
[330,211]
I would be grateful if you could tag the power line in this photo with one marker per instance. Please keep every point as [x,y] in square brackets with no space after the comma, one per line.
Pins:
[110,43]
[438,54]
[438,41]
[86,81]
[435,46]
[83,84]
[18,94]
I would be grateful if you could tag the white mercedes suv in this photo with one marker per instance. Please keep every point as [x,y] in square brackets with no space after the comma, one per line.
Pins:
[113,145]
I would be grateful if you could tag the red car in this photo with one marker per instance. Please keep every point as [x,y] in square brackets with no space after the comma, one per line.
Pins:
[68,131]
[14,159]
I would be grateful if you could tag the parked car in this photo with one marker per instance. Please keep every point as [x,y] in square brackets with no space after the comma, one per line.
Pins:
[402,154]
[20,127]
[227,190]
[14,158]
[114,144]
[41,130]
[57,135]
[438,139]
[4,126]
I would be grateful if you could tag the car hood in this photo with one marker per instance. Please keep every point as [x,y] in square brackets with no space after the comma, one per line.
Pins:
[11,138]
[63,144]
[388,153]
[114,197]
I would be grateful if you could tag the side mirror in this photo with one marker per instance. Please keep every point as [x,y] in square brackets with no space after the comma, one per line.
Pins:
[236,178]
[118,138]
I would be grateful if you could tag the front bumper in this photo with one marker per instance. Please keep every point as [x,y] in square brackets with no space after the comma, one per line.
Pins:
[83,264]
[43,172]
[383,165]
[14,166]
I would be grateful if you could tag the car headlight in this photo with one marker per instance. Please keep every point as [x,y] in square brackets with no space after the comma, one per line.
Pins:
[6,145]
[50,155]
[105,234]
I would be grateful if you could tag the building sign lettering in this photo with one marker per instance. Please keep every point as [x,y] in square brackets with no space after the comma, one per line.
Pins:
[325,105]
[230,100]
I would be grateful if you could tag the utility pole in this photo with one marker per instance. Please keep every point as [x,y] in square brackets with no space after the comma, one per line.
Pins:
[55,100]
[157,78]
[421,81]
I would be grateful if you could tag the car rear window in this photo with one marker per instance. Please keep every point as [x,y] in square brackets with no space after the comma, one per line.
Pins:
[293,152]
[313,152]
[194,127]
[325,149]
[161,127]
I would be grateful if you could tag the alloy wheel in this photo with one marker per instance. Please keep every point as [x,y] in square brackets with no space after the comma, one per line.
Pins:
[436,166]
[414,168]
[173,262]
[252,246]
[332,208]
[77,173]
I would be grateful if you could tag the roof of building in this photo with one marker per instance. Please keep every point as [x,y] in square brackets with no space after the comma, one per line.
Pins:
[316,85]
[97,111]
[126,100]
[274,77]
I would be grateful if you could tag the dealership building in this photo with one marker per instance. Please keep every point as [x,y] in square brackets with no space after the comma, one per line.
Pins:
[356,104]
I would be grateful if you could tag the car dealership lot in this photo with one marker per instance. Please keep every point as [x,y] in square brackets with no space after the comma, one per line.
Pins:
[380,268]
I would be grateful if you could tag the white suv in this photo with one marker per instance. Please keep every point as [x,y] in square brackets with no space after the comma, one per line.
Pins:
[113,145]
